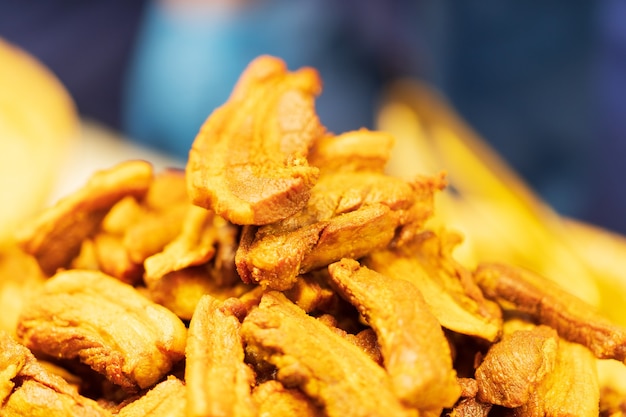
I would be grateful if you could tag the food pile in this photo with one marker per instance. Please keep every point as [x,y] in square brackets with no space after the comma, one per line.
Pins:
[283,273]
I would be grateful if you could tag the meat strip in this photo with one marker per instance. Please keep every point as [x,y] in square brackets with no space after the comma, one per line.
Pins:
[311,357]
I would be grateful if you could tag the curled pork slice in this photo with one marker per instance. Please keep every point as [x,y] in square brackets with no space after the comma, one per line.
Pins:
[447,286]
[415,351]
[167,399]
[106,324]
[195,245]
[349,214]
[310,356]
[273,399]
[515,366]
[358,150]
[55,236]
[249,160]
[571,389]
[28,389]
[576,321]
[218,381]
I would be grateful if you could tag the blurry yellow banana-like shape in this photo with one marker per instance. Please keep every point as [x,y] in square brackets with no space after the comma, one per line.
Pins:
[501,218]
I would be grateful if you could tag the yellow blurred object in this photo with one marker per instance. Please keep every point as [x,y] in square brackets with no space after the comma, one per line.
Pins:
[38,122]
[501,218]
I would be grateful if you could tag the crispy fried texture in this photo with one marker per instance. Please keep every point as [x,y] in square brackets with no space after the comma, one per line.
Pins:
[515,366]
[447,287]
[107,325]
[248,163]
[358,150]
[574,320]
[195,245]
[218,381]
[28,389]
[470,407]
[137,229]
[274,400]
[180,291]
[166,399]
[312,293]
[415,351]
[55,236]
[349,214]
[153,231]
[570,390]
[310,356]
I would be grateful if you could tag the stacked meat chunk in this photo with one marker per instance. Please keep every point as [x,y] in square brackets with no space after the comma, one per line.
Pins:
[283,273]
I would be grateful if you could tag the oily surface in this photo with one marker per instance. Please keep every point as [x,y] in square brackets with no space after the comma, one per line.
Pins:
[284,272]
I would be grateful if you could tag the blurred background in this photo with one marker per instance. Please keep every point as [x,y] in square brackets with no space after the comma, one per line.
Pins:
[544,82]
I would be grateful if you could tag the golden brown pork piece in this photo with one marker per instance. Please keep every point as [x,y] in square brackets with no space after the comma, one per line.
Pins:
[248,163]
[180,291]
[146,225]
[274,400]
[107,325]
[135,229]
[446,285]
[574,320]
[571,389]
[312,293]
[195,245]
[218,381]
[470,407]
[415,351]
[112,258]
[349,214]
[308,355]
[358,150]
[56,235]
[166,399]
[28,389]
[515,366]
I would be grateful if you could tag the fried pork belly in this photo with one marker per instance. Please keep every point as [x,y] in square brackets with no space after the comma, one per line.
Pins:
[570,390]
[56,235]
[515,366]
[447,286]
[349,214]
[166,399]
[359,150]
[274,400]
[146,225]
[415,351]
[470,407]
[308,355]
[576,321]
[195,245]
[107,325]
[218,381]
[154,231]
[248,162]
[113,259]
[312,293]
[180,291]
[28,389]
